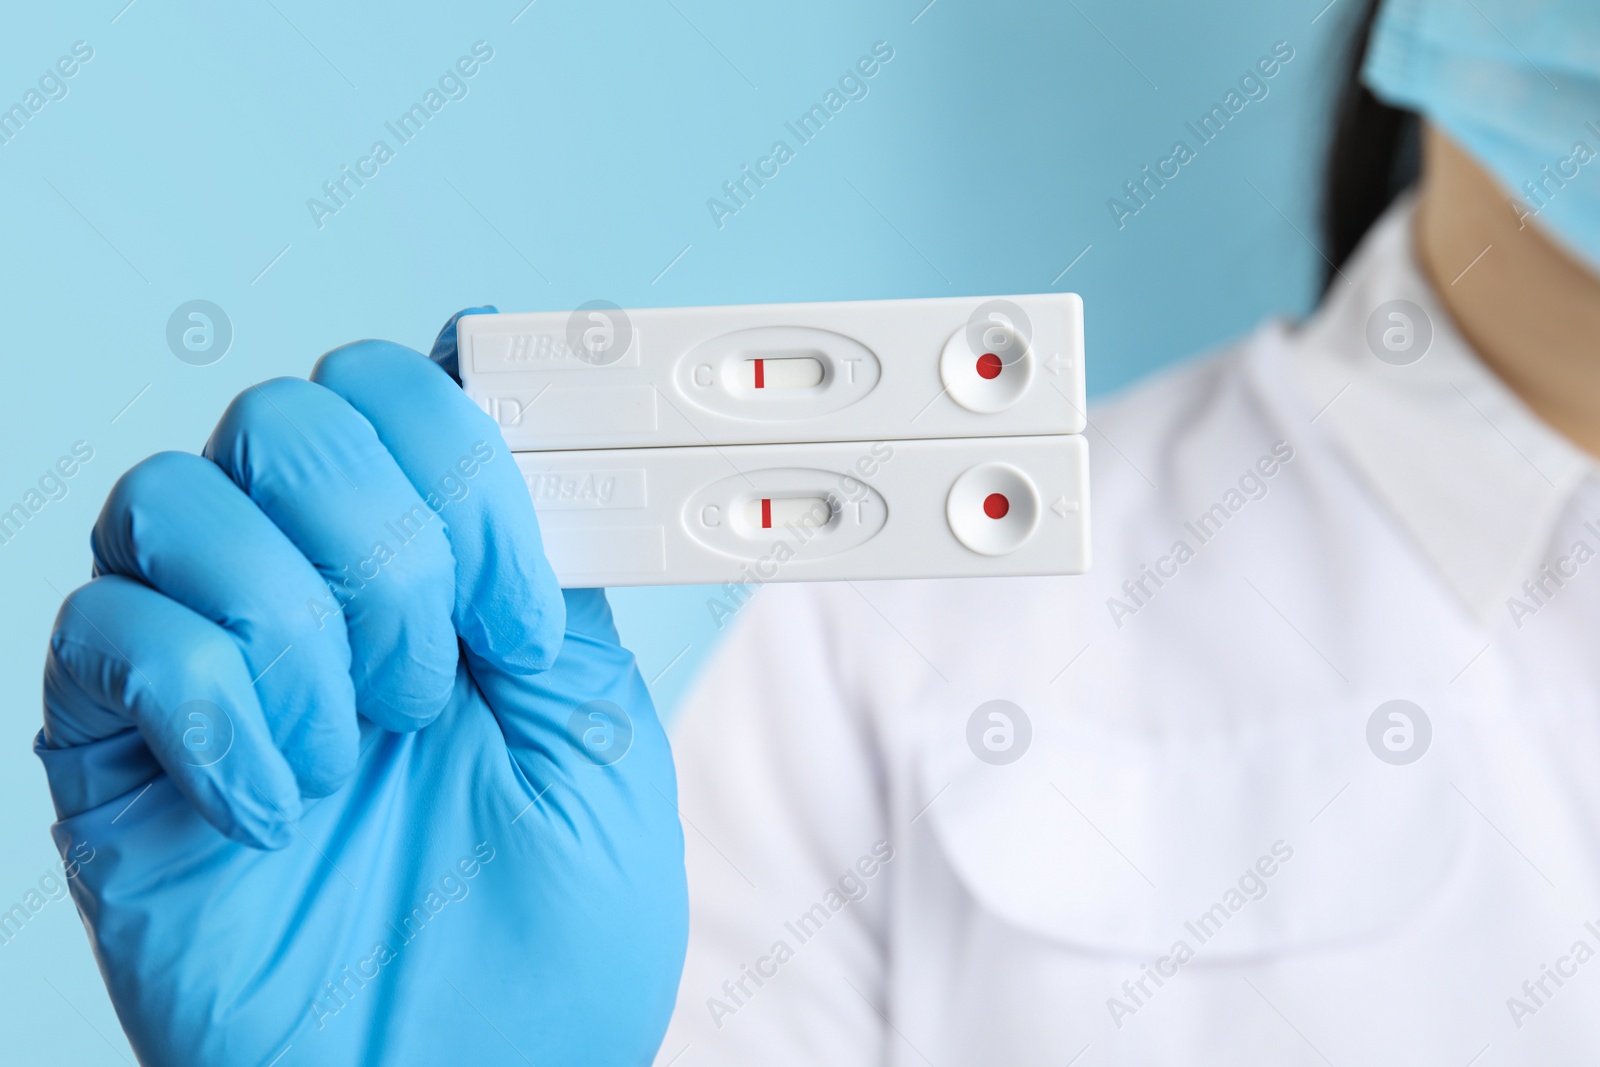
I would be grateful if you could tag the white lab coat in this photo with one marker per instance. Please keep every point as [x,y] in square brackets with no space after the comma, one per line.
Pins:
[1199,858]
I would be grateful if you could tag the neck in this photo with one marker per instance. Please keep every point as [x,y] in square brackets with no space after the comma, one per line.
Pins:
[1530,310]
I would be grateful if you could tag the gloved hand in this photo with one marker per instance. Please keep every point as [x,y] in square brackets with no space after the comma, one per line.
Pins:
[359,784]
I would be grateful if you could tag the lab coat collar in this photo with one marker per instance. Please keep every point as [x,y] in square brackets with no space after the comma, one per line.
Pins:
[1474,477]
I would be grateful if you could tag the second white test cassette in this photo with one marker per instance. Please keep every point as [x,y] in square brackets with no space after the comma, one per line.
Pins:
[814,512]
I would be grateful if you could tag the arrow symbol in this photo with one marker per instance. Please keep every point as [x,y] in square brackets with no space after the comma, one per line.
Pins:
[1055,363]
[1063,506]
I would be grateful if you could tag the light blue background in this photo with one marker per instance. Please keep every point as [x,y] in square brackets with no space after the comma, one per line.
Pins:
[578,166]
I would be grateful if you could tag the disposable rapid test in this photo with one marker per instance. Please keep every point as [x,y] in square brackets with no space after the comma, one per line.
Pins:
[795,442]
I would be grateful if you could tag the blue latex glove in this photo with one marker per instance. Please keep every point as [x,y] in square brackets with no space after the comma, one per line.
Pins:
[356,782]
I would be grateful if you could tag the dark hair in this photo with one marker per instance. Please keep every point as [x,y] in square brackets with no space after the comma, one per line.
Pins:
[1373,158]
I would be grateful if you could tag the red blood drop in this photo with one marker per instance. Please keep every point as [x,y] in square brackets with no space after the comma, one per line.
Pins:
[995,505]
[988,366]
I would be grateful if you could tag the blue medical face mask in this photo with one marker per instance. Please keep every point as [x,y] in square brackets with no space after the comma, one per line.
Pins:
[1517,84]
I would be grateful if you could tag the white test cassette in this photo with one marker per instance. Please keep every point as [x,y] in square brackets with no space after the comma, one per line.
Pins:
[867,370]
[859,440]
[751,514]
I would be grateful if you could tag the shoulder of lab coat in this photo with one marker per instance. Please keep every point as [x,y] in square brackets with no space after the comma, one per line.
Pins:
[781,791]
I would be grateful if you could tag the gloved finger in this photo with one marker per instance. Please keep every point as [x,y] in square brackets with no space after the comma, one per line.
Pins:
[508,607]
[444,351]
[124,655]
[178,524]
[591,712]
[316,468]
